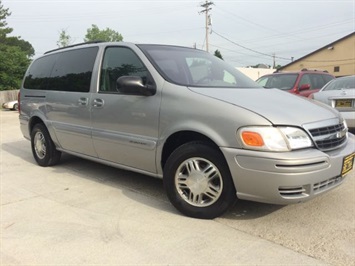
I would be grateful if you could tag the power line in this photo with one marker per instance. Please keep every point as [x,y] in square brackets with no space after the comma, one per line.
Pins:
[278,57]
[249,49]
[289,34]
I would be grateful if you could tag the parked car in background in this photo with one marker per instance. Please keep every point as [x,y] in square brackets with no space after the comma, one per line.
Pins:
[303,83]
[11,105]
[340,94]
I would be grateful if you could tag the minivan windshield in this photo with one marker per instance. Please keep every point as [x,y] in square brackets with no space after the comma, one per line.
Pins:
[194,68]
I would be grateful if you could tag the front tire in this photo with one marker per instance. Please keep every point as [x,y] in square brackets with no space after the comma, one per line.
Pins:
[198,181]
[43,148]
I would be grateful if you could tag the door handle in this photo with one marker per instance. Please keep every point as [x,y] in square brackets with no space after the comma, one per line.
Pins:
[83,101]
[98,103]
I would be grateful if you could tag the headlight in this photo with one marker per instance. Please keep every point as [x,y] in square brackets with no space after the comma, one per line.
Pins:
[344,123]
[274,138]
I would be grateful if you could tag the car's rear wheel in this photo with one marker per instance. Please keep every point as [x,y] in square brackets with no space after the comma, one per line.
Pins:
[198,182]
[15,107]
[43,148]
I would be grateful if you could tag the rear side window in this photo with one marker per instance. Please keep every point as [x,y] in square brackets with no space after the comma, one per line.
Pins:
[316,81]
[73,70]
[65,71]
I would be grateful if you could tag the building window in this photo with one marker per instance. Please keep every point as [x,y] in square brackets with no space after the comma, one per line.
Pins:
[336,69]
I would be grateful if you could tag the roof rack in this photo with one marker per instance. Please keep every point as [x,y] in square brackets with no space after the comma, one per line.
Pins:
[73,45]
[320,70]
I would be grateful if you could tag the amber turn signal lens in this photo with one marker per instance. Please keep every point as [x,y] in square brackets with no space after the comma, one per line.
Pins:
[252,139]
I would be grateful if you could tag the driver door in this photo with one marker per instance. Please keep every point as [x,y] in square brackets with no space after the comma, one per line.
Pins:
[125,127]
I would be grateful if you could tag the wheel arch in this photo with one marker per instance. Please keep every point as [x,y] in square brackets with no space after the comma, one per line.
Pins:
[33,121]
[179,138]
[37,119]
[198,181]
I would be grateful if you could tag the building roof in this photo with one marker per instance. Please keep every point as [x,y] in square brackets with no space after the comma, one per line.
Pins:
[316,51]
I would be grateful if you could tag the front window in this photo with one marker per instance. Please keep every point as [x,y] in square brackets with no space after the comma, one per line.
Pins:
[306,79]
[195,68]
[118,62]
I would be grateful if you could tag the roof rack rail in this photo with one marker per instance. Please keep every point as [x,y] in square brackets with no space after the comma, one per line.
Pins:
[73,45]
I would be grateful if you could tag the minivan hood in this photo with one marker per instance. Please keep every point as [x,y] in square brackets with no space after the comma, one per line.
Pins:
[279,107]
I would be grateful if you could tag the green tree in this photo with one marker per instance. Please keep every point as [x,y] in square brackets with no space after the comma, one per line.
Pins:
[108,35]
[260,66]
[4,13]
[64,39]
[14,55]
[218,54]
[22,44]
[14,63]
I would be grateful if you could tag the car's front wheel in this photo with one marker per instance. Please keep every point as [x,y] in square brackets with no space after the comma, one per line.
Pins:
[198,182]
[43,148]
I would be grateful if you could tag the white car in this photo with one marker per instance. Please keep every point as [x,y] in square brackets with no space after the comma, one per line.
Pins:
[340,94]
[12,105]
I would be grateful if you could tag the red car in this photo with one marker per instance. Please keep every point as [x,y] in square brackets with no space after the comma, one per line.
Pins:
[304,82]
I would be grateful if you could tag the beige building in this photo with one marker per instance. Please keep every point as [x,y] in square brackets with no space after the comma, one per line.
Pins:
[338,58]
[255,73]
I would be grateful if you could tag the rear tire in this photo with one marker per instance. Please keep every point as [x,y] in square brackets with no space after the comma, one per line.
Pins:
[43,148]
[198,182]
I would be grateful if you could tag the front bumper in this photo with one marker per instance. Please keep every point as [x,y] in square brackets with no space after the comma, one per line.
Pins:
[7,106]
[285,178]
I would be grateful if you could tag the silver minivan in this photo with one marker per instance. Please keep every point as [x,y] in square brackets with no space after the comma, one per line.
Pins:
[183,115]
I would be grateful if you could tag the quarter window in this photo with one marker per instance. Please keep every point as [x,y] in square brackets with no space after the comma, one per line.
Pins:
[39,73]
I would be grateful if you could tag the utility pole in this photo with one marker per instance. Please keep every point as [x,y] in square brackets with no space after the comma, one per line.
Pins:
[206,7]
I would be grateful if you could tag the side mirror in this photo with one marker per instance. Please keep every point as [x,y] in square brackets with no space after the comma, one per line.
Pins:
[133,85]
[304,87]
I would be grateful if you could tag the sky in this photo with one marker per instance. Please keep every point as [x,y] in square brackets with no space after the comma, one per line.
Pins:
[245,32]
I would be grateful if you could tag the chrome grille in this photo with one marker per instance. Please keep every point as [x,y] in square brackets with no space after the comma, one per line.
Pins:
[326,130]
[329,137]
[331,143]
